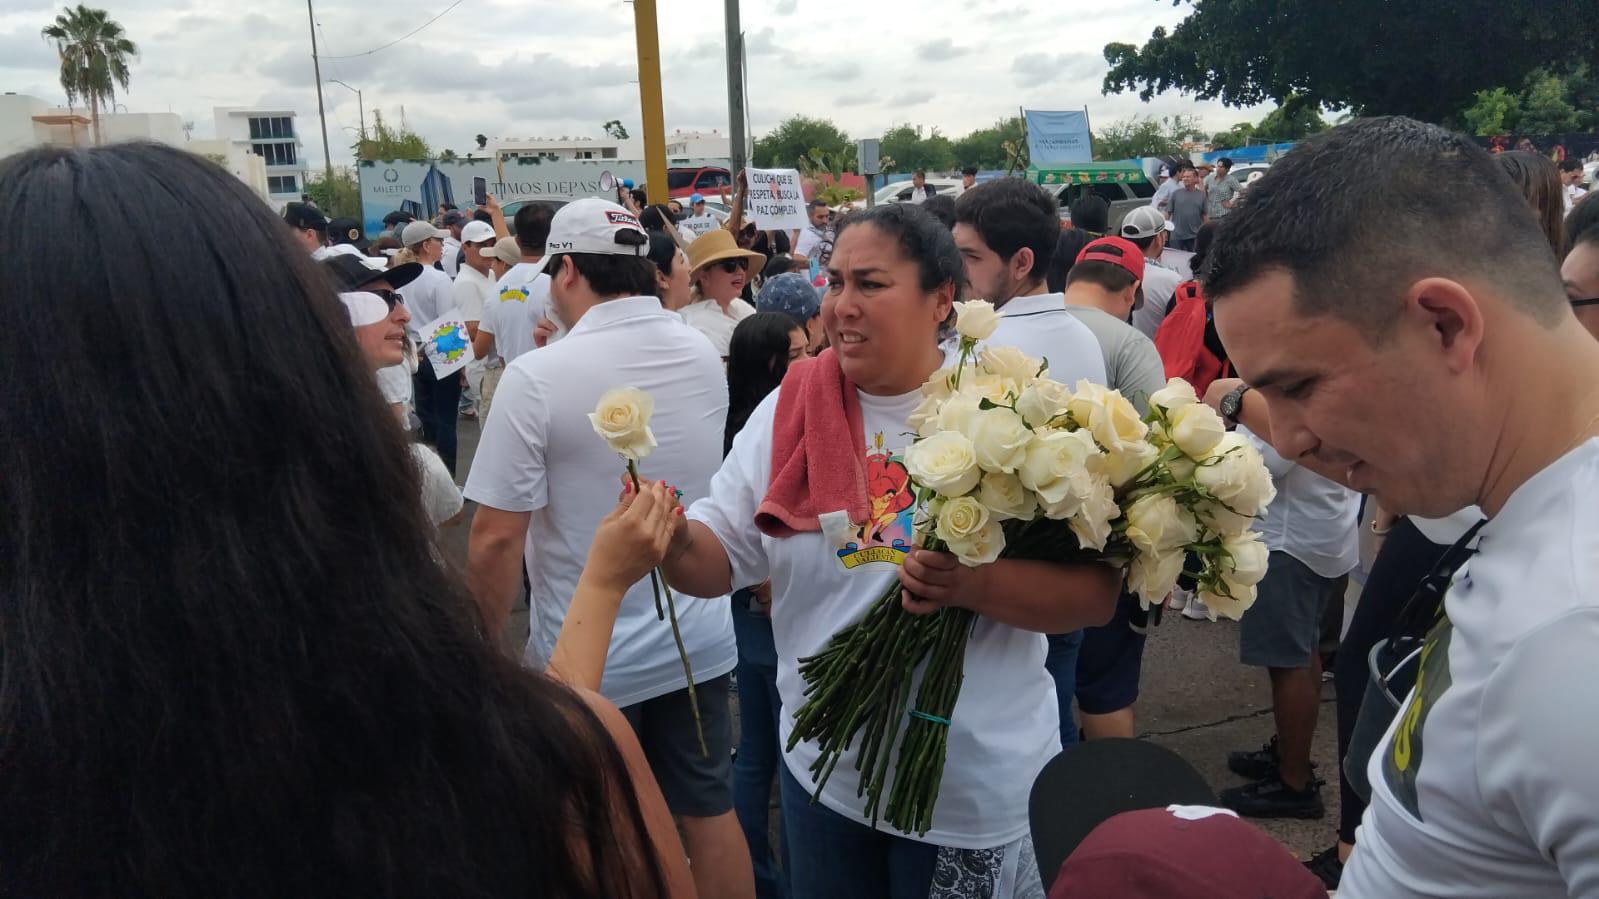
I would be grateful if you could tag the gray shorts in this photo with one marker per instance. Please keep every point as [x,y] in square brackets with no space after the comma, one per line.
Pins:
[1283,627]
[695,785]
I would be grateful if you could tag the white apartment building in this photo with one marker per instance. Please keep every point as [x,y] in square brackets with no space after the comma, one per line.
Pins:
[269,165]
[271,135]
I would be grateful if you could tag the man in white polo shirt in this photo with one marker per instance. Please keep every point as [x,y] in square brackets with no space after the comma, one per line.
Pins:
[473,291]
[1435,363]
[1006,230]
[543,479]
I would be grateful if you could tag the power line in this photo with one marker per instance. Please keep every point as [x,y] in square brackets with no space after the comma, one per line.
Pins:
[400,38]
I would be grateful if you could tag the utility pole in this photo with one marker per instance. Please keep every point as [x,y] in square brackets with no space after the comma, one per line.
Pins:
[316,66]
[735,88]
[649,94]
[360,105]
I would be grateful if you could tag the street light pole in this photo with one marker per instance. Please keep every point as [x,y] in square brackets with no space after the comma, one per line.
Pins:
[316,66]
[735,88]
[360,105]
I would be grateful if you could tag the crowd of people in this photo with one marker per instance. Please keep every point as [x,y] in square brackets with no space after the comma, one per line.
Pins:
[235,658]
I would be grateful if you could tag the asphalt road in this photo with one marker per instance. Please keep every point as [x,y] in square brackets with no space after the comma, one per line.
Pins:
[1195,699]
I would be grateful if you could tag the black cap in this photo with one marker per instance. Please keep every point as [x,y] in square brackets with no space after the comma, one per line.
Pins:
[347,230]
[350,273]
[303,216]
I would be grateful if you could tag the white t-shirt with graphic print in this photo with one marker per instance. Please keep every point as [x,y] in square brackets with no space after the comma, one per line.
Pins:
[1485,785]
[1005,725]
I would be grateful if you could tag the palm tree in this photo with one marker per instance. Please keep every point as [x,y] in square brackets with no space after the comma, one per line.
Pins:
[94,54]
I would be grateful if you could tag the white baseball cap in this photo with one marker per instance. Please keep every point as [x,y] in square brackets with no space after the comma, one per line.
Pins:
[478,232]
[364,308]
[594,226]
[416,232]
[1145,221]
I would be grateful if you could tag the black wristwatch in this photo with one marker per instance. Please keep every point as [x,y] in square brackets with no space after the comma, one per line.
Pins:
[1233,403]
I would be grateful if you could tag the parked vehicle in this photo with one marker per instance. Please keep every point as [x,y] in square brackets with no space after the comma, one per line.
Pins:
[900,191]
[1121,184]
[707,180]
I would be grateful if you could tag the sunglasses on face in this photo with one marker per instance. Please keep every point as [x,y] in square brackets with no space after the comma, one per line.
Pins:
[733,265]
[390,297]
[1587,301]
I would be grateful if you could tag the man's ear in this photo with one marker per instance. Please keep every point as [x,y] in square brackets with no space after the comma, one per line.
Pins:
[1452,314]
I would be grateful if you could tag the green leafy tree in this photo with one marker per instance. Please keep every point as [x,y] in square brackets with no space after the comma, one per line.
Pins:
[339,197]
[986,147]
[1493,112]
[1422,58]
[482,141]
[1546,108]
[94,51]
[447,155]
[794,138]
[1296,119]
[615,129]
[912,151]
[1144,136]
[1239,135]
[386,142]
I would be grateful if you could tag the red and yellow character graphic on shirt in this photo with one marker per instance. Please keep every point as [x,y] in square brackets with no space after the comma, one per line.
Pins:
[886,535]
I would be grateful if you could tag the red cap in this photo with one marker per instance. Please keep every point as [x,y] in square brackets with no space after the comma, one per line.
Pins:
[1118,251]
[1190,851]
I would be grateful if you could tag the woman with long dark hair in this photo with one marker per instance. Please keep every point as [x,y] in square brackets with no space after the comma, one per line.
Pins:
[229,662]
[763,345]
[1539,181]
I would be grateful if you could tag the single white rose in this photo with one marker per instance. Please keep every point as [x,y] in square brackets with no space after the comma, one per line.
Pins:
[1246,561]
[1157,524]
[1122,466]
[1000,437]
[1051,458]
[959,411]
[945,462]
[1152,576]
[1042,401]
[1107,414]
[1091,524]
[1005,497]
[961,518]
[1236,475]
[980,548]
[923,420]
[976,319]
[1232,604]
[938,383]
[1196,429]
[622,418]
[1009,363]
[1065,497]
[1176,394]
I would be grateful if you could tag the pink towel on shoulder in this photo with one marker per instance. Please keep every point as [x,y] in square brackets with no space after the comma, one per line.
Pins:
[818,450]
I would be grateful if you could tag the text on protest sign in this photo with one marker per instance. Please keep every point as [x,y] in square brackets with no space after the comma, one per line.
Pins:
[696,226]
[776,202]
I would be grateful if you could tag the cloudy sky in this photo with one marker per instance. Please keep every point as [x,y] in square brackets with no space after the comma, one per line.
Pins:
[551,68]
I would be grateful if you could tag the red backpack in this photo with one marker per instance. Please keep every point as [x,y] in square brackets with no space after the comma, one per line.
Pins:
[1187,340]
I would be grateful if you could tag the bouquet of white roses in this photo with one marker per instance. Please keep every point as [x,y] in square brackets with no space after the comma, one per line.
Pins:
[1008,463]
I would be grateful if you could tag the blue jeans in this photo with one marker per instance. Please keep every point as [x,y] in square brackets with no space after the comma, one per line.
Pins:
[1061,663]
[837,858]
[758,751]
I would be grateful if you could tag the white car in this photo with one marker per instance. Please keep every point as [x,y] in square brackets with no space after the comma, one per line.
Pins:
[900,191]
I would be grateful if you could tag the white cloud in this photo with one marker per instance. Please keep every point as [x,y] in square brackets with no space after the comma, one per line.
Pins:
[529,68]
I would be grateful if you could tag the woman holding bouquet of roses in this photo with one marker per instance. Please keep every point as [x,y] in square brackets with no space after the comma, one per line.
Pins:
[785,507]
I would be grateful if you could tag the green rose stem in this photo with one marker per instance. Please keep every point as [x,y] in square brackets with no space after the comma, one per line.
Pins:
[658,582]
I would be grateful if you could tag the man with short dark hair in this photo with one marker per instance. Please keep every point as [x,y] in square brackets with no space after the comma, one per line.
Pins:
[920,189]
[520,307]
[1571,180]
[1007,230]
[395,222]
[1221,190]
[1186,209]
[454,221]
[1404,329]
[542,472]
[816,241]
[309,225]
[1090,213]
[968,178]
[1148,230]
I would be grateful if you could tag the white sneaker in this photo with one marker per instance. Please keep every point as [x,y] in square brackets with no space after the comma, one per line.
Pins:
[1179,599]
[1196,610]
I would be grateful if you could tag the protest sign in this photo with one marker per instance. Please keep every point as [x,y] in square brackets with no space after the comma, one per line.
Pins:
[776,201]
[447,343]
[694,226]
